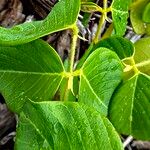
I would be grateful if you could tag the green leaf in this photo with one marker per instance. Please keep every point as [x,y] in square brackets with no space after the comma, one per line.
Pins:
[146,17]
[130,107]
[28,138]
[120,15]
[123,47]
[90,7]
[136,14]
[63,16]
[29,71]
[86,16]
[72,126]
[100,75]
[131,101]
[142,55]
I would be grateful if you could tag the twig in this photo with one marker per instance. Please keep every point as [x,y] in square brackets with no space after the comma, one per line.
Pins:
[127,141]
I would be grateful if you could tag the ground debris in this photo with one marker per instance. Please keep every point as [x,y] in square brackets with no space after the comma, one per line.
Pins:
[7,127]
[11,13]
[141,145]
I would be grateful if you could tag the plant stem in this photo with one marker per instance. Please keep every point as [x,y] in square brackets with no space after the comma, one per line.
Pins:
[73,48]
[131,65]
[101,21]
[136,71]
[68,93]
[100,25]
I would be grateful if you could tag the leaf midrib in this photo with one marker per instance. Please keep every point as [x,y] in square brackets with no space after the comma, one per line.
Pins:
[93,90]
[29,73]
[120,11]
[132,106]
[38,131]
[143,63]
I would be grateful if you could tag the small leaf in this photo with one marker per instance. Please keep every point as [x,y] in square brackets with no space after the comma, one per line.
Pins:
[71,126]
[146,17]
[142,55]
[100,75]
[90,7]
[63,15]
[120,15]
[130,107]
[31,70]
[136,13]
[86,16]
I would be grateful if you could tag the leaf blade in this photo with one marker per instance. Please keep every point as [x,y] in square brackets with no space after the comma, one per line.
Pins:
[120,15]
[101,74]
[28,135]
[131,103]
[73,122]
[123,47]
[29,71]
[137,9]
[142,55]
[57,20]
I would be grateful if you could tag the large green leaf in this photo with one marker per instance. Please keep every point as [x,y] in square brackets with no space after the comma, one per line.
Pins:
[142,55]
[136,16]
[130,107]
[120,15]
[28,138]
[71,126]
[100,75]
[32,70]
[63,16]
[131,101]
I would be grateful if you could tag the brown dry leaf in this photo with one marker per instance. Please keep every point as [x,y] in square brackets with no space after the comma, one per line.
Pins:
[11,13]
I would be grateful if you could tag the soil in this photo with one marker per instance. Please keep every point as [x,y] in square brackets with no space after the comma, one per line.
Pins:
[13,12]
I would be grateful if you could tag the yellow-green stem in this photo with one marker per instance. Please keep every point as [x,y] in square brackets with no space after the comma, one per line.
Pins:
[130,64]
[73,47]
[68,92]
[100,25]
[102,21]
[136,71]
